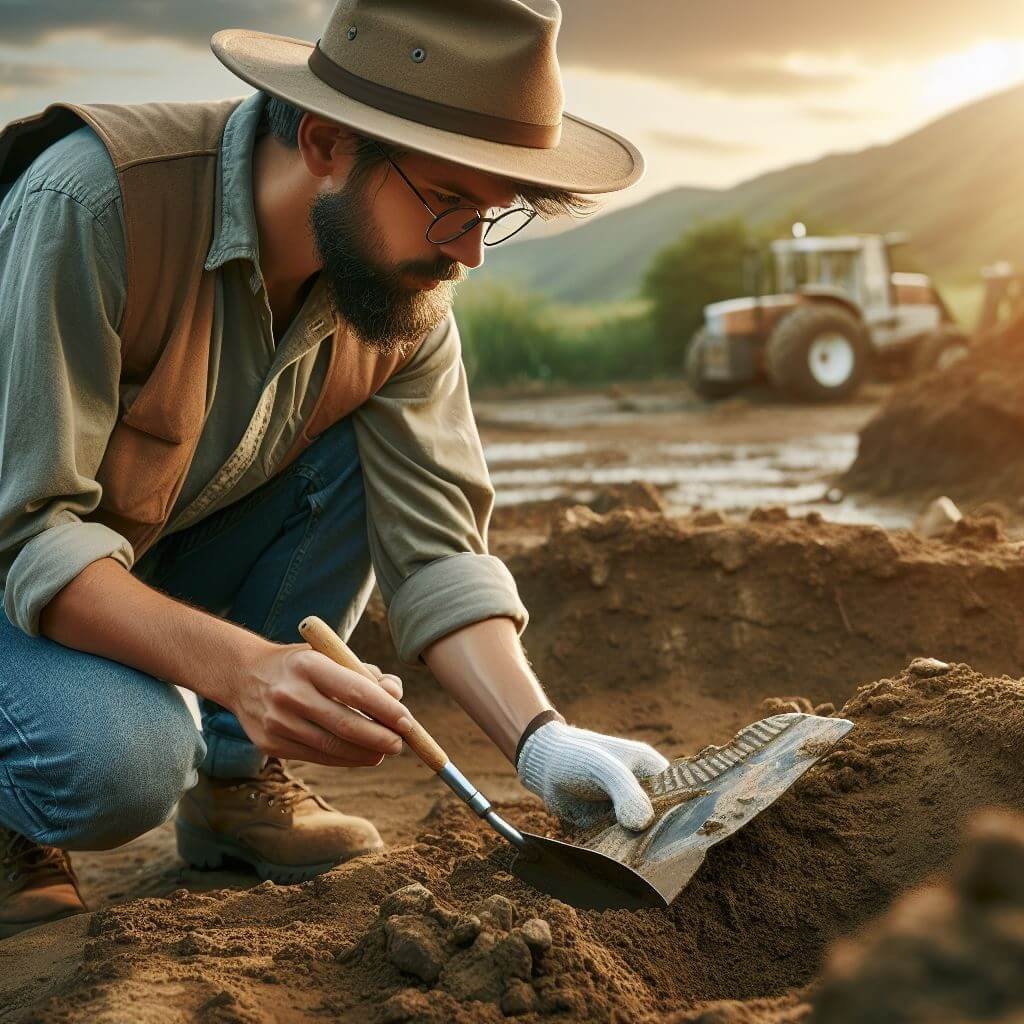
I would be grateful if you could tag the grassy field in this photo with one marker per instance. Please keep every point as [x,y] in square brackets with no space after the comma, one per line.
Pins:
[510,337]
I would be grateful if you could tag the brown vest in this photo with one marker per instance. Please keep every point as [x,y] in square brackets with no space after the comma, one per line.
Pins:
[166,158]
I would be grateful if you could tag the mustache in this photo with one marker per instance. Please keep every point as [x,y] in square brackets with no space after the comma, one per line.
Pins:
[447,271]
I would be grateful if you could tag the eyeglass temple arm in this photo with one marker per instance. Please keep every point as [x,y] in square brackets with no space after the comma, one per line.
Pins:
[481,219]
[404,178]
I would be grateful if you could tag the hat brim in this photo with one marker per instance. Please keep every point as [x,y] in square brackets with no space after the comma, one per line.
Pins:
[588,158]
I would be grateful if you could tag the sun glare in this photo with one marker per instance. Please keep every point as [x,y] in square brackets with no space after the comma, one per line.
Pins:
[959,78]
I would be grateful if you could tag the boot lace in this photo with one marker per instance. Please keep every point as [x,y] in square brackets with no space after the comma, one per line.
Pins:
[281,789]
[20,856]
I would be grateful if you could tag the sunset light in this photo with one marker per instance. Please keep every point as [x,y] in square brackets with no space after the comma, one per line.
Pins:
[617,407]
[958,78]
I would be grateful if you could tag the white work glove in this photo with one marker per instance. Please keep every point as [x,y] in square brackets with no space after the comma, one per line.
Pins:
[576,772]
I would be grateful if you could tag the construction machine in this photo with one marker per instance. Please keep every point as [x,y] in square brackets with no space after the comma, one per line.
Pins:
[837,309]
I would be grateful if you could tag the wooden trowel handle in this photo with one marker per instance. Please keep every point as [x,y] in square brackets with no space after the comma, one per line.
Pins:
[322,638]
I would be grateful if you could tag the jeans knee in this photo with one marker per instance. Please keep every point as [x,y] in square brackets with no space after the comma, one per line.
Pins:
[123,796]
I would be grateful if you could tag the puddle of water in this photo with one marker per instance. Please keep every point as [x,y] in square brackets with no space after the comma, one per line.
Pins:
[578,410]
[732,478]
[532,451]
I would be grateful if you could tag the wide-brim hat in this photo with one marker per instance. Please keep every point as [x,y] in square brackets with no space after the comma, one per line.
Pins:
[476,82]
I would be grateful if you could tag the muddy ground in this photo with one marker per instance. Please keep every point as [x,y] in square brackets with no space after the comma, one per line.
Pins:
[663,619]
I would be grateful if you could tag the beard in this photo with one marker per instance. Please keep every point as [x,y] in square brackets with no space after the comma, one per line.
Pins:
[368,294]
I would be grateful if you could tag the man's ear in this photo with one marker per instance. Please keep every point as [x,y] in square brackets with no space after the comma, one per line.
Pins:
[325,146]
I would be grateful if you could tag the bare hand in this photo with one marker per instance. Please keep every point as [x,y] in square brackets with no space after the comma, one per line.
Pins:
[297,703]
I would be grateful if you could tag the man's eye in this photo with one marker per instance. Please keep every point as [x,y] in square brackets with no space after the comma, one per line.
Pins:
[448,200]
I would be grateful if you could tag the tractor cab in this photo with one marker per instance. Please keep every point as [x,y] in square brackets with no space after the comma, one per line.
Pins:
[846,268]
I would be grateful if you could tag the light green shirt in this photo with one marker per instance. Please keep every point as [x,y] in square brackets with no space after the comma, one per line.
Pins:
[62,290]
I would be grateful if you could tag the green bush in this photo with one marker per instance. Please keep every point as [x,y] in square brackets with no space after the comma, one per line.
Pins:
[705,265]
[510,336]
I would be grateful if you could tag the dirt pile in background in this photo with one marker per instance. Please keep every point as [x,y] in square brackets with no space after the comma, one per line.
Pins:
[953,950]
[531,520]
[957,432]
[471,943]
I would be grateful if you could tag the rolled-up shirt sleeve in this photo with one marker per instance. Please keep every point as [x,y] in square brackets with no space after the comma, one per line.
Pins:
[61,295]
[429,501]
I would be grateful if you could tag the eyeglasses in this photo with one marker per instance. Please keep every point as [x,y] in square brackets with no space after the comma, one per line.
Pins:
[455,222]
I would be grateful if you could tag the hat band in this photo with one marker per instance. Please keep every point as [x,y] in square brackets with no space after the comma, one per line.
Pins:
[437,115]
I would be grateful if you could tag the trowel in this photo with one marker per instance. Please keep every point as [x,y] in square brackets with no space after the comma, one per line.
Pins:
[699,801]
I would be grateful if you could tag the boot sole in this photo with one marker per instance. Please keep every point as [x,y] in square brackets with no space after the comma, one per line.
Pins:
[208,852]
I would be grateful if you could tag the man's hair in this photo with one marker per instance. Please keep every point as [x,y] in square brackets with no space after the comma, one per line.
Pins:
[282,118]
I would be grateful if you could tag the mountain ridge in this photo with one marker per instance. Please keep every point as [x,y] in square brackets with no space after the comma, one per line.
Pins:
[950,184]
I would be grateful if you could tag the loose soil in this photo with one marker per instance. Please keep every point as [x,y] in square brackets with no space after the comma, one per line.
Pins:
[956,432]
[675,631]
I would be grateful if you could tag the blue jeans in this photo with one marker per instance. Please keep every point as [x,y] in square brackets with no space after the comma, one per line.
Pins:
[94,753]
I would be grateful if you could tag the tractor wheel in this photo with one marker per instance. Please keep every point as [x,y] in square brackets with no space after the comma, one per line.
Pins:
[710,389]
[818,353]
[940,349]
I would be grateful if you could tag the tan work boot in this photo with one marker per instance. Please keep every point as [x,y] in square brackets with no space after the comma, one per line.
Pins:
[272,822]
[37,884]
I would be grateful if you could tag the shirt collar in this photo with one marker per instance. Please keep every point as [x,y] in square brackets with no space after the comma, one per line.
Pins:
[235,235]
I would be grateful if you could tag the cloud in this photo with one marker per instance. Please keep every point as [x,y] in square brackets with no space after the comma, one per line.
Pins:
[700,145]
[757,77]
[732,46]
[834,115]
[191,22]
[18,75]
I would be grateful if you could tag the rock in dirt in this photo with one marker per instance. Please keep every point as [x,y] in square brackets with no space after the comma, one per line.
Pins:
[537,934]
[928,667]
[410,899]
[636,494]
[487,953]
[799,705]
[938,518]
[416,945]
[771,514]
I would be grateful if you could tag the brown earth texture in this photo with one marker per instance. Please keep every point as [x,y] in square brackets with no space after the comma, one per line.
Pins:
[955,432]
[857,897]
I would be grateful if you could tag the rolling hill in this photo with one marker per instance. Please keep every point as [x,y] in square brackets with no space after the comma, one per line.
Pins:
[955,186]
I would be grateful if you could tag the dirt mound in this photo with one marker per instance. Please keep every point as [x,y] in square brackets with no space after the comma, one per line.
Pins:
[636,615]
[953,950]
[471,943]
[537,516]
[633,600]
[956,432]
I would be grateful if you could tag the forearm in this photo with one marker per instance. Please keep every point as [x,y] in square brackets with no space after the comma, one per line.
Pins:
[483,666]
[107,611]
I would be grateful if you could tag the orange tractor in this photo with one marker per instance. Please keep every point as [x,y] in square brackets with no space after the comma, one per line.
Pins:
[837,310]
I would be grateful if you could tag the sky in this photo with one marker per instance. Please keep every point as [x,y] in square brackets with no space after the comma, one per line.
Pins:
[712,91]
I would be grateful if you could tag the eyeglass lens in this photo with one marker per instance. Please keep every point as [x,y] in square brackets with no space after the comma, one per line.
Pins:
[453,223]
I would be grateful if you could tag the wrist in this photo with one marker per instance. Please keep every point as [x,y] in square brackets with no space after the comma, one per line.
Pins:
[233,671]
[537,722]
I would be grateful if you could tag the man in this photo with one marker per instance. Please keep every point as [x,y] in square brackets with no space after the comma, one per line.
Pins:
[232,394]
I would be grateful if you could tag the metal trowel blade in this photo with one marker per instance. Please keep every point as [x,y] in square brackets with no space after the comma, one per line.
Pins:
[716,793]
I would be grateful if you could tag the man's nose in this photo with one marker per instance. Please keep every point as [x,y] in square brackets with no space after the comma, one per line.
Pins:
[467,249]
